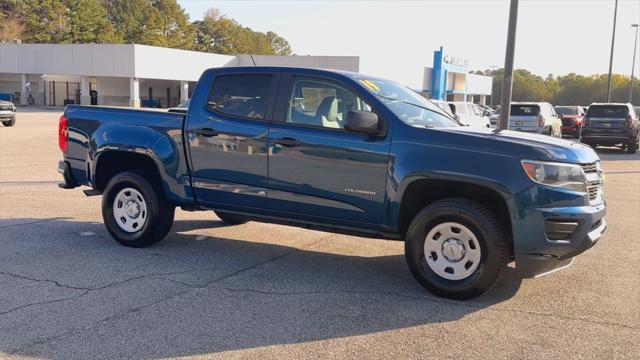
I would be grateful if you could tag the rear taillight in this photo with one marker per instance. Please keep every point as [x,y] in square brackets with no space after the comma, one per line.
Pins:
[63,133]
[540,120]
[629,122]
[586,121]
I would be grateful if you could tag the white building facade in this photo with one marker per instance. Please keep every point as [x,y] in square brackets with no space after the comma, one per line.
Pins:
[123,74]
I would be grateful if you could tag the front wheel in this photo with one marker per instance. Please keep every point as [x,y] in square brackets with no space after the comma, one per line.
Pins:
[9,123]
[456,248]
[135,212]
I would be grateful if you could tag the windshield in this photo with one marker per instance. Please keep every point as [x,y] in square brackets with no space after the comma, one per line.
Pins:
[567,110]
[607,111]
[409,106]
[444,106]
[525,110]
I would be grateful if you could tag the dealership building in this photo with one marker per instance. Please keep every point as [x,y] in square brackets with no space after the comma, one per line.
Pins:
[124,74]
[449,79]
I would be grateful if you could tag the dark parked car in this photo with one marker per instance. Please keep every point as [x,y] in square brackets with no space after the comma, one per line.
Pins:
[346,153]
[571,117]
[611,125]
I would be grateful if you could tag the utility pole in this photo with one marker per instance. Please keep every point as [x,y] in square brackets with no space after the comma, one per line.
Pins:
[613,39]
[633,63]
[507,81]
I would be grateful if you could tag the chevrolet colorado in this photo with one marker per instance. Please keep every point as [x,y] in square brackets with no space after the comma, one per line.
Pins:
[347,153]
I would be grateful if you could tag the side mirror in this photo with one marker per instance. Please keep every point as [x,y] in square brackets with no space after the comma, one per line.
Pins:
[362,121]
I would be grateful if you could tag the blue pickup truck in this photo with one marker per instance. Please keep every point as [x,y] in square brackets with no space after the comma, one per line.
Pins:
[346,153]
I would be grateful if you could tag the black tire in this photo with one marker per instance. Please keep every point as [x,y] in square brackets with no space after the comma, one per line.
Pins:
[9,123]
[494,246]
[159,214]
[230,219]
[632,147]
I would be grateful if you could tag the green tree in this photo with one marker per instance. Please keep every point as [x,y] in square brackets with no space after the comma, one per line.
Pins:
[88,23]
[174,25]
[279,45]
[135,21]
[11,28]
[45,21]
[218,34]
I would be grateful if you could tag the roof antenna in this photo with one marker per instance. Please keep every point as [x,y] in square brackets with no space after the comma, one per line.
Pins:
[254,62]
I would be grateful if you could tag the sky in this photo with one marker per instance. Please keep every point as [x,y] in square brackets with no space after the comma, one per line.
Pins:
[396,39]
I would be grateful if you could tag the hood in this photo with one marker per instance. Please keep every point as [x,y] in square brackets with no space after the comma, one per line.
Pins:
[533,146]
[2,102]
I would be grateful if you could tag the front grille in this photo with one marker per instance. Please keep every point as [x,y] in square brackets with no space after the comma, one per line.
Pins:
[594,188]
[591,167]
[6,107]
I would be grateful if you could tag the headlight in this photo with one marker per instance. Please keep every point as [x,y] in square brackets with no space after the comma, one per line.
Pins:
[560,175]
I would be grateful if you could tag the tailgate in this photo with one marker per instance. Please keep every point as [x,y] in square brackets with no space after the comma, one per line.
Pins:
[519,121]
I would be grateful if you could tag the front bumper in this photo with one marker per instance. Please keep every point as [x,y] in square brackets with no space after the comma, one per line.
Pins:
[565,233]
[5,115]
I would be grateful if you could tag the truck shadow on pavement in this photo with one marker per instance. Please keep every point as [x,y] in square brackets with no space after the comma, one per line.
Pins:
[67,290]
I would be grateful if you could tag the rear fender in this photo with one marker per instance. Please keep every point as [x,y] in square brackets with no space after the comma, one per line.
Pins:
[163,148]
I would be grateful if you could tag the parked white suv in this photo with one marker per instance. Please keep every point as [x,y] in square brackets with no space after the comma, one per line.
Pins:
[535,117]
[469,114]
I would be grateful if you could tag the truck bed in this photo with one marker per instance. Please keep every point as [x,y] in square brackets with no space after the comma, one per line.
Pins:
[97,130]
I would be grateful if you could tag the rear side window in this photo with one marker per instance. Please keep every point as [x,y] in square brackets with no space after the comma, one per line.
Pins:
[240,95]
[525,110]
[608,111]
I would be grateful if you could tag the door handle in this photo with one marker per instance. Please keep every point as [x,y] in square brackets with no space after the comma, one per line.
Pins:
[206,132]
[287,142]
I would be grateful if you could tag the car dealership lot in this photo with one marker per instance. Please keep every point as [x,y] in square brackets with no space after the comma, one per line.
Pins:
[67,290]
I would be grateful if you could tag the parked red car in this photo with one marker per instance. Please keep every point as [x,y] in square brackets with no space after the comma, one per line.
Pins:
[571,117]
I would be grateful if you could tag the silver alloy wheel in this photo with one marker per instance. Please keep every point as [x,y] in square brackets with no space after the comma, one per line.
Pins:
[452,251]
[130,210]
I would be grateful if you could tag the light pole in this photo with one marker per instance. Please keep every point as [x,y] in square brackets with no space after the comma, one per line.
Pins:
[633,63]
[613,39]
[507,81]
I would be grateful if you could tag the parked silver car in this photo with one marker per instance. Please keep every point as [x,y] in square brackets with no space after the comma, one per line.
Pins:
[535,117]
[7,113]
[469,114]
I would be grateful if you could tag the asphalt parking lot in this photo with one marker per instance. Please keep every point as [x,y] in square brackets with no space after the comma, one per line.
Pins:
[67,290]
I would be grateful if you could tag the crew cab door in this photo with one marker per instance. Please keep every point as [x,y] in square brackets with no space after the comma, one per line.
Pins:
[227,136]
[317,169]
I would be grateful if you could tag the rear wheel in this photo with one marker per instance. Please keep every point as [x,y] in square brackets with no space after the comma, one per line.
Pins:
[230,219]
[135,212]
[456,248]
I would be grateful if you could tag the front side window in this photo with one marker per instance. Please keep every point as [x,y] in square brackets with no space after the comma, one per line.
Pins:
[240,95]
[322,103]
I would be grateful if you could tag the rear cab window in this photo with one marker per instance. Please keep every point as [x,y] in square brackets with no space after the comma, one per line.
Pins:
[525,110]
[608,111]
[242,95]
